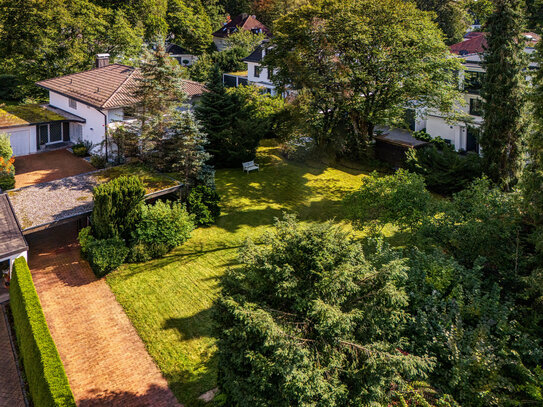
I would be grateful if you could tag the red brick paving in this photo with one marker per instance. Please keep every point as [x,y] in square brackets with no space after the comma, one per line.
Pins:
[105,360]
[11,394]
[48,166]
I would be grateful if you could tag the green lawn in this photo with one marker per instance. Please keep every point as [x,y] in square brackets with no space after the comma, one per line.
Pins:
[169,300]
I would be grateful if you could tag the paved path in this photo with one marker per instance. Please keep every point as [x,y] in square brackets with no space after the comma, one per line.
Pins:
[11,394]
[105,360]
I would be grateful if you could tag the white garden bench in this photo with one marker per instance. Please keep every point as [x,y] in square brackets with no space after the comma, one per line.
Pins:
[250,166]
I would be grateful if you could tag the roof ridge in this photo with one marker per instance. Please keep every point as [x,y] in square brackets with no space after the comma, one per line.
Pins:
[88,70]
[119,87]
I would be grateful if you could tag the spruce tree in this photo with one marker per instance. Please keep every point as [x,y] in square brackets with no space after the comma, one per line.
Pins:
[504,93]
[184,151]
[216,113]
[160,91]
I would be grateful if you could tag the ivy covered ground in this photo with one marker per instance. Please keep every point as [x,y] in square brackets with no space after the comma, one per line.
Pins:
[169,300]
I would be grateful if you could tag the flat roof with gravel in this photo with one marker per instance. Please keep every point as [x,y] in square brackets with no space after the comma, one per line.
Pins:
[42,205]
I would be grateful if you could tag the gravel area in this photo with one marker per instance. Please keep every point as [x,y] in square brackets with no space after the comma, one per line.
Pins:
[48,202]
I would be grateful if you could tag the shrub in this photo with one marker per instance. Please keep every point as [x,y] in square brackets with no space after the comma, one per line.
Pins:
[117,207]
[98,161]
[401,199]
[436,141]
[203,203]
[7,181]
[298,149]
[80,150]
[445,171]
[6,151]
[103,255]
[43,368]
[163,226]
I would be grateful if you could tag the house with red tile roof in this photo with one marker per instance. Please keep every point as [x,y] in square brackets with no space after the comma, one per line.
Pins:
[81,107]
[241,22]
[464,136]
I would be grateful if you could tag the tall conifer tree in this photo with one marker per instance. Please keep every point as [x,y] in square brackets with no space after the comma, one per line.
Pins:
[504,92]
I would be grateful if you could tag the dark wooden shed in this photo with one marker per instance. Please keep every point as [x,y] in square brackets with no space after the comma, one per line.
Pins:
[392,147]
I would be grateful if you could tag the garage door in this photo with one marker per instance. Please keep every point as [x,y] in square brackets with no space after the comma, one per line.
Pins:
[20,142]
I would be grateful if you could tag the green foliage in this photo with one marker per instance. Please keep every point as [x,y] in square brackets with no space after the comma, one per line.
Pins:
[183,150]
[235,120]
[311,318]
[98,161]
[479,222]
[445,171]
[117,207]
[462,320]
[437,141]
[43,368]
[60,37]
[7,181]
[5,147]
[328,64]
[401,199]
[203,202]
[80,150]
[450,15]
[163,226]
[504,93]
[160,92]
[103,255]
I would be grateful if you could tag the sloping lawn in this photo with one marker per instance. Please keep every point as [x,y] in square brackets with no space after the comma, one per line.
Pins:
[169,300]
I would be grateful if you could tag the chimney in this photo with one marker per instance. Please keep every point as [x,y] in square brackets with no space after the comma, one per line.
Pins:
[102,60]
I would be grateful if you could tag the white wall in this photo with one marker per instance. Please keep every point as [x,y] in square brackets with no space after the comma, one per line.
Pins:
[93,128]
[262,79]
[115,115]
[31,130]
[438,127]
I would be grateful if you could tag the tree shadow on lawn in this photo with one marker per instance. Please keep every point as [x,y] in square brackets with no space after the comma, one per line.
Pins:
[202,376]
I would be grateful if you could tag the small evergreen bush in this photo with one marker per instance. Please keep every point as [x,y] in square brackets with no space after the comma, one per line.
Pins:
[103,255]
[80,150]
[117,207]
[203,203]
[445,171]
[7,181]
[162,227]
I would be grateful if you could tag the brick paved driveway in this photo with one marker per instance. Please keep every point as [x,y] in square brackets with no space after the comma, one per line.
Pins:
[48,166]
[105,360]
[11,394]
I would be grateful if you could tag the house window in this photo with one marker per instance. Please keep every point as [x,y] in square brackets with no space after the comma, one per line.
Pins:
[473,81]
[476,107]
[257,71]
[72,103]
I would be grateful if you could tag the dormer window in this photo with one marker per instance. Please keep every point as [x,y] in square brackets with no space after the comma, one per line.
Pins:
[72,103]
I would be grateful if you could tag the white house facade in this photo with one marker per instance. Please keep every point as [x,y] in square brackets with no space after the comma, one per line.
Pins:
[464,135]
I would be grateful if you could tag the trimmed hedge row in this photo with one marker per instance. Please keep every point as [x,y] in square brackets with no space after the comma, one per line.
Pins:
[44,371]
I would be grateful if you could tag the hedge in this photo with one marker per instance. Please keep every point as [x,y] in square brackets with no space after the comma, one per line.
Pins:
[44,371]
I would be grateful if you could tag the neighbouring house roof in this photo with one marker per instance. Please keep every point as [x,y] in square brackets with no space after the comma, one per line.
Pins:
[193,89]
[242,22]
[24,115]
[256,56]
[174,49]
[12,241]
[475,43]
[108,87]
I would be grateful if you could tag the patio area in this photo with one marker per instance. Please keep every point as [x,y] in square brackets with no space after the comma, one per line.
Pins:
[48,166]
